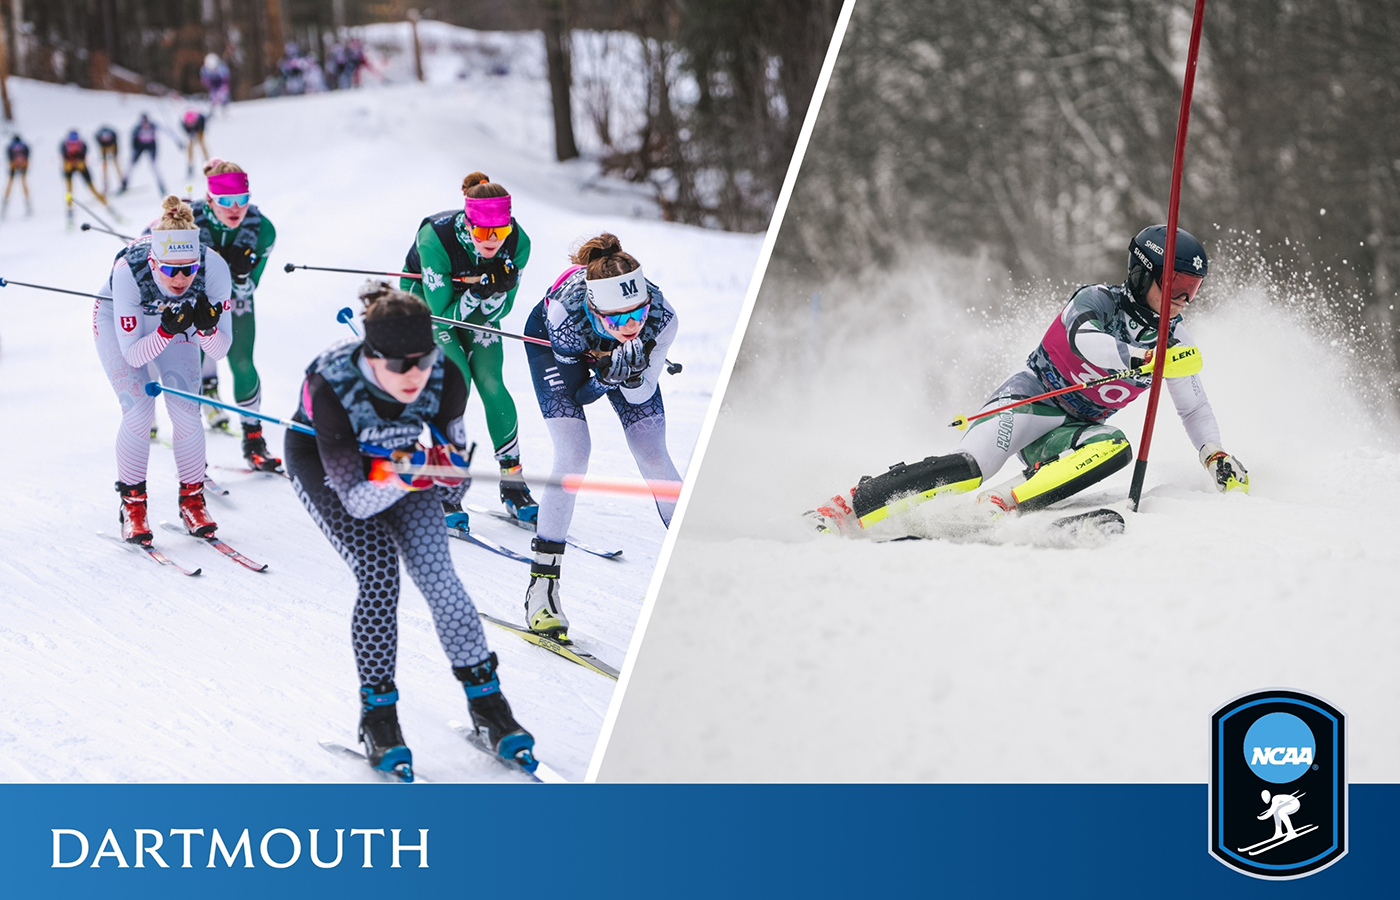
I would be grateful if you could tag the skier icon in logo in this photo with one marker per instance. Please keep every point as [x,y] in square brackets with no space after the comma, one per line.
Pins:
[1281,806]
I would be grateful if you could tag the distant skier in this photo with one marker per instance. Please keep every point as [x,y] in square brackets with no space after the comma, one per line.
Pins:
[215,78]
[1063,442]
[1281,806]
[143,142]
[193,123]
[17,155]
[383,390]
[609,329]
[486,246]
[238,231]
[107,146]
[73,149]
[165,301]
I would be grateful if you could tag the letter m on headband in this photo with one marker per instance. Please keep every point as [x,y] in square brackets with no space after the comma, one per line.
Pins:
[629,288]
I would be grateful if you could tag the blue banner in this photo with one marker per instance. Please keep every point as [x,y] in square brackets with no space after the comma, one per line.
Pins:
[583,841]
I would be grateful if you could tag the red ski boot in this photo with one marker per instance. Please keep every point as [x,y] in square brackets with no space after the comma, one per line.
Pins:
[193,512]
[135,527]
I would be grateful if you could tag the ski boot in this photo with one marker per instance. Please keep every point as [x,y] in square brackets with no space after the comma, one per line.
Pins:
[255,451]
[136,528]
[218,418]
[544,613]
[379,731]
[834,517]
[193,512]
[491,715]
[454,516]
[515,493]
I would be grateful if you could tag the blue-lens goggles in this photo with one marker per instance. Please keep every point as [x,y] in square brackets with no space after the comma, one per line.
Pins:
[228,201]
[172,271]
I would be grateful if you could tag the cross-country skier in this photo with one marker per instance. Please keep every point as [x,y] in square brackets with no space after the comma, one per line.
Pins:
[484,245]
[107,146]
[1063,442]
[609,330]
[17,155]
[383,390]
[73,149]
[238,231]
[143,141]
[214,76]
[193,123]
[165,301]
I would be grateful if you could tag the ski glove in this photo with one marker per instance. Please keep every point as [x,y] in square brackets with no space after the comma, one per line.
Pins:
[1228,473]
[241,262]
[448,457]
[625,365]
[397,473]
[176,319]
[500,277]
[206,315]
[1182,361]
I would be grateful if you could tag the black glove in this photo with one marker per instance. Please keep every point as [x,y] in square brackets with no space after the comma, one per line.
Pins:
[206,315]
[241,262]
[176,319]
[500,277]
[625,365]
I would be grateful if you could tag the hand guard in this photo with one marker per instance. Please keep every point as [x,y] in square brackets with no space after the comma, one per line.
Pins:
[446,456]
[206,315]
[1228,473]
[241,262]
[1182,361]
[176,319]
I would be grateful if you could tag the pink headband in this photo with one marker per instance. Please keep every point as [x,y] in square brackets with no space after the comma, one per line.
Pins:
[229,183]
[488,212]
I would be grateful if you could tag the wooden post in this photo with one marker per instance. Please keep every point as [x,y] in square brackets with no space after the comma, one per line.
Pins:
[413,17]
[4,73]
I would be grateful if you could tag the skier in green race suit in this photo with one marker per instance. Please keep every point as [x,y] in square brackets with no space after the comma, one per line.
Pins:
[470,260]
[237,231]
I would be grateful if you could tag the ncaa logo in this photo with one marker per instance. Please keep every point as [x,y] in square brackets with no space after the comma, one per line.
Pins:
[1278,788]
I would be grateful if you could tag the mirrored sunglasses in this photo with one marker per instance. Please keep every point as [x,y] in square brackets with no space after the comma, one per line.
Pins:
[228,201]
[616,321]
[400,365]
[494,233]
[172,271]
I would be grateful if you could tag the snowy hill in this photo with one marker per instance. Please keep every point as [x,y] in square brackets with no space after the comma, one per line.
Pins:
[117,670]
[1012,660]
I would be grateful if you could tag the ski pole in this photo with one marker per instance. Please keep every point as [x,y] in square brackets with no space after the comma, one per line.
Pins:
[88,226]
[672,368]
[347,317]
[670,490]
[84,208]
[292,267]
[1180,362]
[39,287]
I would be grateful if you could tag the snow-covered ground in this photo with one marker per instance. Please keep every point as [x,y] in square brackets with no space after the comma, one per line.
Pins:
[117,670]
[1009,661]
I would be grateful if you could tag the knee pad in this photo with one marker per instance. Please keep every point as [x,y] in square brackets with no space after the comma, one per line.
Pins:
[1074,471]
[906,486]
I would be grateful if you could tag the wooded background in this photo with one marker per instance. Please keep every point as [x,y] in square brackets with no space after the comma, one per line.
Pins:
[1041,132]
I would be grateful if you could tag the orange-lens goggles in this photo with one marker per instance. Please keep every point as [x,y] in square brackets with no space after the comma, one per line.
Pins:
[494,233]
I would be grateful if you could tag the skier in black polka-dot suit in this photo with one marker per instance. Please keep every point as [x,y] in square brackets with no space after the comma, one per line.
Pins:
[382,391]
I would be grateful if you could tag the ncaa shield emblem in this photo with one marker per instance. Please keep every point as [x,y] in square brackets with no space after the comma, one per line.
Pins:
[128,323]
[1278,787]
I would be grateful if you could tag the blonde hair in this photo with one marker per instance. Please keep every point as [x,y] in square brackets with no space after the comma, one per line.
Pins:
[478,185]
[177,215]
[216,166]
[384,302]
[604,257]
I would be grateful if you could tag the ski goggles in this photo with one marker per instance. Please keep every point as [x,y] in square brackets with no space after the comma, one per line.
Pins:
[400,365]
[172,271]
[491,232]
[228,201]
[1185,285]
[616,321]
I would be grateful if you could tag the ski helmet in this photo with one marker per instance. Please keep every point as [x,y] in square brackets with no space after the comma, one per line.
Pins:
[1147,254]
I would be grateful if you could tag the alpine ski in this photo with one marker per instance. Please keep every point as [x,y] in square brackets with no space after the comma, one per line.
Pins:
[566,650]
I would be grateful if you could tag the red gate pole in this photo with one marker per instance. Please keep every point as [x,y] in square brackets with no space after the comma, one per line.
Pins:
[1169,257]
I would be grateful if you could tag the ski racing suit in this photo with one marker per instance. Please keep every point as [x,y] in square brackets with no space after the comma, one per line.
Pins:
[371,525]
[566,380]
[125,323]
[245,249]
[442,251]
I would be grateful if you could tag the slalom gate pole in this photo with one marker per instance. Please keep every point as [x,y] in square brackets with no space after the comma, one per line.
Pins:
[40,287]
[1169,257]
[669,490]
[88,226]
[292,267]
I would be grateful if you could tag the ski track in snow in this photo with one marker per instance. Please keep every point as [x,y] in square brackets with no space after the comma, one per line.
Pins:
[844,659]
[119,670]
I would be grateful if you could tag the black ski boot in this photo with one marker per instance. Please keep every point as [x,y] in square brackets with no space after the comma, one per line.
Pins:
[255,451]
[495,726]
[379,731]
[216,416]
[515,493]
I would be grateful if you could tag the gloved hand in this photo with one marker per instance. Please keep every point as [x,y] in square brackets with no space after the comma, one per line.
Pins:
[500,277]
[625,365]
[176,319]
[206,315]
[240,261]
[1182,361]
[399,472]
[1228,473]
[446,456]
